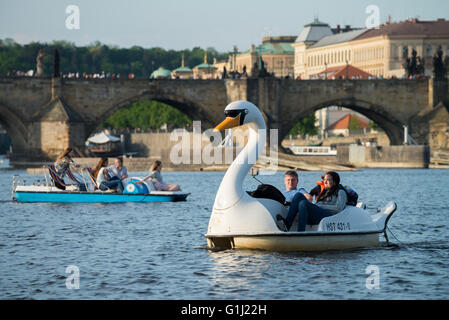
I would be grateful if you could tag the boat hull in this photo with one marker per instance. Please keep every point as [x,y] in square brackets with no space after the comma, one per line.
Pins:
[96,197]
[295,241]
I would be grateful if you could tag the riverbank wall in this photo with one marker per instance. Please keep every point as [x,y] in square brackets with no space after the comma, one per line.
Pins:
[384,156]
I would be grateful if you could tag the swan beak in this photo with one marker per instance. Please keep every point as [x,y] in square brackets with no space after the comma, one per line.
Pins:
[228,123]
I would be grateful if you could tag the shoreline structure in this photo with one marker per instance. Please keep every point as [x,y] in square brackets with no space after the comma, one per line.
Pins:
[349,158]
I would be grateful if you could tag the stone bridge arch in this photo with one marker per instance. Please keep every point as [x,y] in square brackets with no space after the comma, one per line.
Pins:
[194,110]
[15,129]
[377,113]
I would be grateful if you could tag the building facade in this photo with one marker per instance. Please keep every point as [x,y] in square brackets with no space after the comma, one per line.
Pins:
[380,52]
[205,71]
[277,54]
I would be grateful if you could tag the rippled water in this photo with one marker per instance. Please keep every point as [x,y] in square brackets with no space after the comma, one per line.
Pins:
[157,250]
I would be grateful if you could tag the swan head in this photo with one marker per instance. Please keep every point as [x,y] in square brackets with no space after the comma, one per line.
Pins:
[239,113]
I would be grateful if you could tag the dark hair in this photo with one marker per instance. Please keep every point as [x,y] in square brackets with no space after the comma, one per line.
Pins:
[156,164]
[100,164]
[291,173]
[334,189]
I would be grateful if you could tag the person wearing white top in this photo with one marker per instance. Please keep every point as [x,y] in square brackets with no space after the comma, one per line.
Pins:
[103,178]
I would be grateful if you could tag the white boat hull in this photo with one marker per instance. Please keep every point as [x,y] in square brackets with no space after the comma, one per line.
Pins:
[294,241]
[352,228]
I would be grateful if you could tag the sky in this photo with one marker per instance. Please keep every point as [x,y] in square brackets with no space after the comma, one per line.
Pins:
[182,24]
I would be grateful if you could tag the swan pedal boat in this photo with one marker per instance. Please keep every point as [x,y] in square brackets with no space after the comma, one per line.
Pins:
[239,221]
[133,192]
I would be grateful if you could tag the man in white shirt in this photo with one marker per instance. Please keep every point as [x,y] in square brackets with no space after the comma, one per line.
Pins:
[291,186]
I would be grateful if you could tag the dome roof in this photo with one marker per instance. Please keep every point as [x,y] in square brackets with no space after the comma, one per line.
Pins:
[160,73]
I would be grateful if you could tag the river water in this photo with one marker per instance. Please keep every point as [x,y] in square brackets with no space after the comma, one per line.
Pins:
[157,250]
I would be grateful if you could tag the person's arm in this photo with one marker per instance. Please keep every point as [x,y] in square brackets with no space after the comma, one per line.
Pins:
[106,175]
[145,178]
[154,175]
[306,194]
[124,173]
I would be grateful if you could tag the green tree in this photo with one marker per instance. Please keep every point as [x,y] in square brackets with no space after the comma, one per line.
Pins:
[97,57]
[374,125]
[305,126]
[354,123]
[146,114]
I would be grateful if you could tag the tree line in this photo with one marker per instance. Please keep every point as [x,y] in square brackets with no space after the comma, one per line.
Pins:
[98,57]
[147,114]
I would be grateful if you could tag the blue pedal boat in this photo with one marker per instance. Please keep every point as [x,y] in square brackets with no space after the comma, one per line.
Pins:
[133,192]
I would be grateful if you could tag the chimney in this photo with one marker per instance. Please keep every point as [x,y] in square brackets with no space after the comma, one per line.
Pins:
[389,19]
[338,28]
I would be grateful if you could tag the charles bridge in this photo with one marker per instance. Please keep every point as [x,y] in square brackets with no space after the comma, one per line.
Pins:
[43,116]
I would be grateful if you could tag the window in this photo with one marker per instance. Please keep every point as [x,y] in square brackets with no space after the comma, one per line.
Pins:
[404,52]
[429,51]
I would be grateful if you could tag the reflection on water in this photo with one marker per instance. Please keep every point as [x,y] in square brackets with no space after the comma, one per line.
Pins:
[4,162]
[157,251]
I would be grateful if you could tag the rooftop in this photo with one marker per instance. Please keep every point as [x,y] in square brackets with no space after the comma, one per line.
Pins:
[338,38]
[160,73]
[343,72]
[314,31]
[413,27]
[344,123]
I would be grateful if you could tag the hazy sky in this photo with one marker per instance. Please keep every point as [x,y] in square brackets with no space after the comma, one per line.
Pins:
[176,24]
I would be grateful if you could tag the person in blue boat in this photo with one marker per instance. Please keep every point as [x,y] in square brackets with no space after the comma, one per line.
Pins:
[330,201]
[62,169]
[118,169]
[155,177]
[104,179]
[291,186]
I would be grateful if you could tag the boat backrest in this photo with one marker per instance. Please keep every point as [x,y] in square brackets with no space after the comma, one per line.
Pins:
[72,177]
[92,178]
[54,176]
